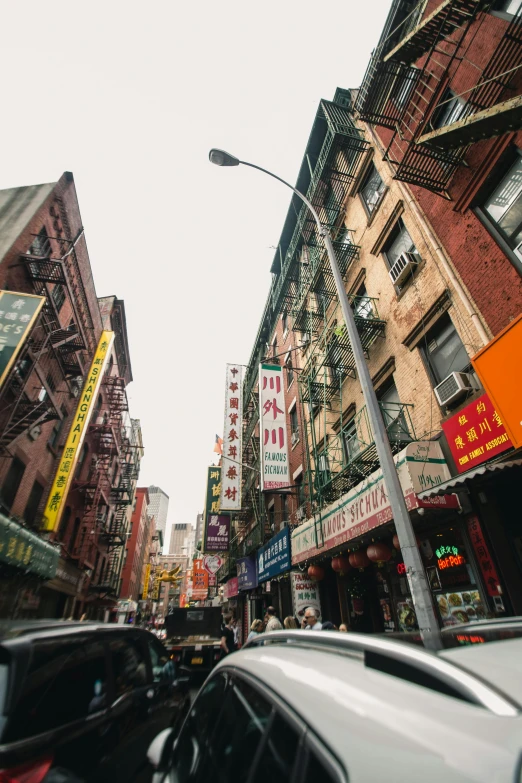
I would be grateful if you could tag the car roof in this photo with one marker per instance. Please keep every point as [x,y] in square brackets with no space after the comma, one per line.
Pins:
[353,708]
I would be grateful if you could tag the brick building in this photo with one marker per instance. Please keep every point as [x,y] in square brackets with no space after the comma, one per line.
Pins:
[43,253]
[137,547]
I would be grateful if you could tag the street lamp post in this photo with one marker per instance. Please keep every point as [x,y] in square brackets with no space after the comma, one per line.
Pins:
[412,560]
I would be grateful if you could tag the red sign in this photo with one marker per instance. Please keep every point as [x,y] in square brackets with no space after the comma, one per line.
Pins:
[476,434]
[450,561]
[231,587]
[183,600]
[199,581]
[487,566]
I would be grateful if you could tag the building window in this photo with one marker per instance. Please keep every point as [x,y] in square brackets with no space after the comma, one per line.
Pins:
[284,508]
[393,414]
[449,109]
[274,348]
[351,442]
[57,429]
[503,207]
[41,245]
[372,190]
[294,424]
[300,489]
[271,516]
[399,242]
[289,371]
[284,323]
[443,350]
[362,304]
[81,459]
[74,534]
[58,296]
[33,503]
[12,482]
[506,6]
[321,295]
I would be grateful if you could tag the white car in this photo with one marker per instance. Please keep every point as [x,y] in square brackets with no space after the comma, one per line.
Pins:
[325,707]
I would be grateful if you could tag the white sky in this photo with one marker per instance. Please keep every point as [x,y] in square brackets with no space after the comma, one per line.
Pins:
[130,97]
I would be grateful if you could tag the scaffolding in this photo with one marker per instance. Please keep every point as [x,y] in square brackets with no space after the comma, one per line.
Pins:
[411,99]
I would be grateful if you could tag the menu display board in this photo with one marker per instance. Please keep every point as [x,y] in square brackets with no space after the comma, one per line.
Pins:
[462,607]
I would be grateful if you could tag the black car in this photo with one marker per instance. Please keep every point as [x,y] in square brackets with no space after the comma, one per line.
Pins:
[83,701]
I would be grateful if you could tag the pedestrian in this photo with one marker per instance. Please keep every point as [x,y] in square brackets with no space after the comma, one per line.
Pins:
[290,623]
[228,644]
[343,628]
[328,626]
[255,629]
[273,623]
[311,620]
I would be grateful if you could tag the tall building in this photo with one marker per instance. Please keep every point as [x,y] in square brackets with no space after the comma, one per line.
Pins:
[75,566]
[199,530]
[158,507]
[138,547]
[181,539]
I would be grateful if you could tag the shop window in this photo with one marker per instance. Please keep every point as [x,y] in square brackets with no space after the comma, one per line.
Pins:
[58,296]
[398,243]
[66,682]
[443,351]
[12,482]
[501,208]
[33,502]
[289,371]
[372,190]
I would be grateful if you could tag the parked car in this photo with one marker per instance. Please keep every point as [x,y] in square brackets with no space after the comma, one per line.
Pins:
[294,707]
[83,701]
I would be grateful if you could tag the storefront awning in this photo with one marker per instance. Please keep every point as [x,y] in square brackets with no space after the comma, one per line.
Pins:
[23,549]
[458,481]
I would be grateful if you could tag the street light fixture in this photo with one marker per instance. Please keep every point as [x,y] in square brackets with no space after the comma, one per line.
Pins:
[412,560]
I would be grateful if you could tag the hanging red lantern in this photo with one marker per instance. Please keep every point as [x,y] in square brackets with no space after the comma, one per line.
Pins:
[379,553]
[341,565]
[316,573]
[359,559]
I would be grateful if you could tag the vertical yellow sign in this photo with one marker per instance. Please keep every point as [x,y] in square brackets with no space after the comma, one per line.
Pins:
[145,593]
[66,466]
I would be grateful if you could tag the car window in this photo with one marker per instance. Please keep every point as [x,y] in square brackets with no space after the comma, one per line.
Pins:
[66,681]
[316,770]
[279,754]
[163,668]
[189,752]
[128,665]
[238,733]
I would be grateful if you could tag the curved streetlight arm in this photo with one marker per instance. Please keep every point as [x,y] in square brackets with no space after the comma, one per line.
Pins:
[415,572]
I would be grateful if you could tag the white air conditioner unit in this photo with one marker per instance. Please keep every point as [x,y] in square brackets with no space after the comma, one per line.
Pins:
[452,388]
[295,438]
[403,268]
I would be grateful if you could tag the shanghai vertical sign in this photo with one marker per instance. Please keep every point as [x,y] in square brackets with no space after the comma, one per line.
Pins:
[232,440]
[275,473]
[67,464]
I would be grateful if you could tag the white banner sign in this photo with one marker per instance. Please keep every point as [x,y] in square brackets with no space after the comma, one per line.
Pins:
[275,469]
[305,593]
[230,499]
[212,563]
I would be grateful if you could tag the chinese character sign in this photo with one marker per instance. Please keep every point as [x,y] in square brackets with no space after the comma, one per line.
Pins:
[274,558]
[80,422]
[305,593]
[275,471]
[146,580]
[232,440]
[199,581]
[18,312]
[246,573]
[487,566]
[217,533]
[476,434]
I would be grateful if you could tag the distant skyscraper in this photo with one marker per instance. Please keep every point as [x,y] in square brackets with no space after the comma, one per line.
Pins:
[181,539]
[158,507]
[199,529]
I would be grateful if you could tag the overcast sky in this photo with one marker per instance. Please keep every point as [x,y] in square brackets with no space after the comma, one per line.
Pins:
[130,97]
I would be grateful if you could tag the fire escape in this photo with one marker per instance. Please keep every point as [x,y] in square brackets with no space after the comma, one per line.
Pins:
[406,89]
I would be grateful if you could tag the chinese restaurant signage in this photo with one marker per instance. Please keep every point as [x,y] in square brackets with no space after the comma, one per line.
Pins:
[199,581]
[231,588]
[22,548]
[66,465]
[232,440]
[476,434]
[156,584]
[146,580]
[274,558]
[217,533]
[305,593]
[485,561]
[449,557]
[499,367]
[275,470]
[246,573]
[212,494]
[420,466]
[18,312]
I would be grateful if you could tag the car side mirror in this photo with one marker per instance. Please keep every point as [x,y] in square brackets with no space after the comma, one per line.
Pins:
[157,747]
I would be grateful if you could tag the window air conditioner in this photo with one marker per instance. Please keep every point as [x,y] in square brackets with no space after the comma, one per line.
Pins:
[403,268]
[295,438]
[452,388]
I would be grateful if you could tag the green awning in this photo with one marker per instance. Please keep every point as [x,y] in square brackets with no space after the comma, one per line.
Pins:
[21,548]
